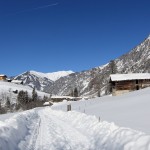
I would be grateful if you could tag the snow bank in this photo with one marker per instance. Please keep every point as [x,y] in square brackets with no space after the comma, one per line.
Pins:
[15,129]
[48,129]
[104,135]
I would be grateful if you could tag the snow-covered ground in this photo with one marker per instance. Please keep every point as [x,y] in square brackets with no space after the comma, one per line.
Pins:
[7,90]
[52,128]
[47,129]
[129,110]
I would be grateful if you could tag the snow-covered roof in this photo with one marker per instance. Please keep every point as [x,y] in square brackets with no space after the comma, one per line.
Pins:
[62,97]
[133,76]
[3,75]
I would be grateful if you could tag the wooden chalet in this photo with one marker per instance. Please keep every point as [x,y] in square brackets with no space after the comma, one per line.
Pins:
[124,83]
[3,77]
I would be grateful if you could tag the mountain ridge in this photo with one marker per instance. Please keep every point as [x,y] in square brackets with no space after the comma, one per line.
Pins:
[95,81]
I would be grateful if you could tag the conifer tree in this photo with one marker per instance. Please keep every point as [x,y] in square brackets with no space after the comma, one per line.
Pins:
[76,92]
[34,95]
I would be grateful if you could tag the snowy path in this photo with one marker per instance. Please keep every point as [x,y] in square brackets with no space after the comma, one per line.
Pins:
[46,129]
[49,132]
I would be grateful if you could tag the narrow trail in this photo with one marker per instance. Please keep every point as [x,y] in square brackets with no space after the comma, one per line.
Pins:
[48,132]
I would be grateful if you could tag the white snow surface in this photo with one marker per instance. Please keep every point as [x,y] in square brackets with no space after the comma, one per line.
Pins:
[47,129]
[83,128]
[52,76]
[7,90]
[132,76]
[131,110]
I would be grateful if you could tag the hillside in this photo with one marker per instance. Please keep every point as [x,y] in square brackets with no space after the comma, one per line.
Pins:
[7,91]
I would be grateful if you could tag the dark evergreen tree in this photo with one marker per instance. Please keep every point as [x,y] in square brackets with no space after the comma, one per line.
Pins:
[22,100]
[76,92]
[7,104]
[34,95]
[21,97]
[99,93]
[26,97]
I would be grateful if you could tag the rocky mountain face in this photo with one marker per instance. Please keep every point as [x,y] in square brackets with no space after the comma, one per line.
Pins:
[137,60]
[40,83]
[95,81]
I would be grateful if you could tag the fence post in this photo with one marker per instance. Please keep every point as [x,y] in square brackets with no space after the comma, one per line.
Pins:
[68,107]
[99,119]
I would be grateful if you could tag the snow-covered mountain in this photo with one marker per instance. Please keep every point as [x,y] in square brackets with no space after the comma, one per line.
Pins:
[41,81]
[94,81]
[51,76]
[56,75]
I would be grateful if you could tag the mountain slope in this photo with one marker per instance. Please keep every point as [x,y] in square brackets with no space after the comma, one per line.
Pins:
[38,81]
[51,76]
[91,82]
[56,75]
[41,81]
[7,91]
[137,60]
[96,81]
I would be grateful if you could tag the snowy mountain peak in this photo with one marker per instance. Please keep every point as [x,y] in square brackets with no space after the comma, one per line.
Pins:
[149,37]
[52,76]
[56,75]
[42,81]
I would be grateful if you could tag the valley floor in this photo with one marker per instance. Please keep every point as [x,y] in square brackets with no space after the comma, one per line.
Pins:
[47,129]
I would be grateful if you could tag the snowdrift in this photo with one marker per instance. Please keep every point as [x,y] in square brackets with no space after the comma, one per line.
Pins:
[49,129]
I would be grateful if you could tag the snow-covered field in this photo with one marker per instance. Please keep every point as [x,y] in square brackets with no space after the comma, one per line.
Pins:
[7,90]
[129,110]
[55,129]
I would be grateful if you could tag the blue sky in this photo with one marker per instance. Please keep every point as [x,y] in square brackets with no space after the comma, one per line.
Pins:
[54,35]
